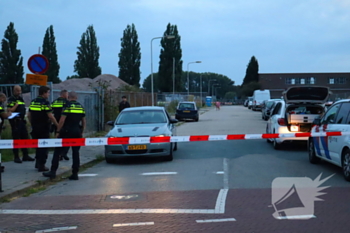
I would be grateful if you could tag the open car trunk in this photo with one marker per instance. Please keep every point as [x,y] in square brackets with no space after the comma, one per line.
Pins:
[299,117]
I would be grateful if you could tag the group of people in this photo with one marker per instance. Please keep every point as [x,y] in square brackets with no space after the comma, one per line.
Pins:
[65,117]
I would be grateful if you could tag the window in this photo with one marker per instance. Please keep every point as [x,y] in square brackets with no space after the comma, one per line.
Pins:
[338,80]
[312,80]
[277,109]
[288,81]
[329,118]
[293,81]
[302,81]
[331,80]
[343,113]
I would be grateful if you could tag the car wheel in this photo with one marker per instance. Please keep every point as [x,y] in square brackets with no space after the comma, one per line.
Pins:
[346,164]
[312,153]
[196,119]
[170,156]
[175,147]
[267,139]
[109,160]
[276,146]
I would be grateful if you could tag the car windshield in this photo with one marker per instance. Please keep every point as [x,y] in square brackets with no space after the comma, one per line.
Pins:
[141,117]
[188,106]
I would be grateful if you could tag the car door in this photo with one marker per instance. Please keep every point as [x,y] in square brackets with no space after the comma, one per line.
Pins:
[336,143]
[275,112]
[327,125]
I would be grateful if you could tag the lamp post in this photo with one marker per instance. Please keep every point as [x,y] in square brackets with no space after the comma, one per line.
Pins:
[167,37]
[173,78]
[213,90]
[216,91]
[188,77]
[201,89]
[209,85]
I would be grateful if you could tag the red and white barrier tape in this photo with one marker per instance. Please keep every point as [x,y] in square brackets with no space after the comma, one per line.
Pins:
[58,142]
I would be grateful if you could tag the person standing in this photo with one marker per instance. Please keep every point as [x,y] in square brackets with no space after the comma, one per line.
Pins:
[3,115]
[69,127]
[57,107]
[39,115]
[18,124]
[123,104]
[217,104]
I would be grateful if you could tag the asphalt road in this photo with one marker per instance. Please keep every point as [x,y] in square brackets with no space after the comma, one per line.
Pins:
[220,186]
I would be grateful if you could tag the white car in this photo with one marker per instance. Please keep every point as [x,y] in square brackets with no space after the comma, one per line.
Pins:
[296,112]
[333,149]
[250,102]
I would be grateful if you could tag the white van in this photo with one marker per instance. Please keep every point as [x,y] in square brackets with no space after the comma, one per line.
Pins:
[258,98]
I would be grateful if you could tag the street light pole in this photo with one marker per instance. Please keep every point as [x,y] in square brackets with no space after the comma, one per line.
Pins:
[167,37]
[209,85]
[201,90]
[188,77]
[173,78]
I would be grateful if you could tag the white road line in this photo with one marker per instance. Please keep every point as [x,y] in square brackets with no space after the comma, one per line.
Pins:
[57,229]
[81,175]
[220,173]
[297,217]
[133,224]
[158,173]
[112,211]
[226,173]
[221,201]
[216,220]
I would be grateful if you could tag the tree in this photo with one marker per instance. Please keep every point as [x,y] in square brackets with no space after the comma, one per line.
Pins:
[171,48]
[88,53]
[148,82]
[248,89]
[50,52]
[11,61]
[130,57]
[252,72]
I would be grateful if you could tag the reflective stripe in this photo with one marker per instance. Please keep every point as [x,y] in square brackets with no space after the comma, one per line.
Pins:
[74,111]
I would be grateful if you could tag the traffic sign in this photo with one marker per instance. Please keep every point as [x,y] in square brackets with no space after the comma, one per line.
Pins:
[36,79]
[38,64]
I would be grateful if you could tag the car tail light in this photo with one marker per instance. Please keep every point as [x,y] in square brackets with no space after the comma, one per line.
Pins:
[281,121]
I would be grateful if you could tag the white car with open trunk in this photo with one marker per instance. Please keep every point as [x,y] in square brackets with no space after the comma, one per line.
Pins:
[296,112]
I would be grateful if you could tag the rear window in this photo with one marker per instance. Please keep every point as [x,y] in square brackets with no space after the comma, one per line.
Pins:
[188,106]
[141,117]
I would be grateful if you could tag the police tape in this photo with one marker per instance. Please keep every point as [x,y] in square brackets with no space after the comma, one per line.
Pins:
[103,141]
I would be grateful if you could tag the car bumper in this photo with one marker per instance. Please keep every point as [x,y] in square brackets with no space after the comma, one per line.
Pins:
[186,116]
[153,149]
[285,130]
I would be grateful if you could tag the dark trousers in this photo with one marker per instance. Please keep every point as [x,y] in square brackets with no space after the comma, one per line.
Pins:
[19,131]
[71,133]
[41,153]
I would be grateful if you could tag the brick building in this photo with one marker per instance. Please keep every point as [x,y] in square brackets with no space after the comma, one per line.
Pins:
[339,83]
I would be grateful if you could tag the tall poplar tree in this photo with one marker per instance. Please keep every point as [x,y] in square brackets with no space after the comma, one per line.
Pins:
[11,61]
[171,49]
[86,65]
[130,57]
[50,52]
[252,72]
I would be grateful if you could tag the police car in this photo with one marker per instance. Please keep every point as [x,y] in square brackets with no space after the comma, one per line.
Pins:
[333,149]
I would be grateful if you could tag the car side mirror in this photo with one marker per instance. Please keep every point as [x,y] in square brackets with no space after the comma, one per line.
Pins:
[268,112]
[173,121]
[317,121]
[111,123]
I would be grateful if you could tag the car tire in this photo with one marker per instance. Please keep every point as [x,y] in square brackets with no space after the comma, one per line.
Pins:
[109,160]
[196,119]
[267,139]
[312,153]
[175,147]
[277,146]
[170,156]
[345,163]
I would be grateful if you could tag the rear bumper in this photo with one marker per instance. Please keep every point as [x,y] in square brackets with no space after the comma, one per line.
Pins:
[186,116]
[153,149]
[285,130]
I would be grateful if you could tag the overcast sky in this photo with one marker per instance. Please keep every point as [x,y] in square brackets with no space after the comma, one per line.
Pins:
[284,36]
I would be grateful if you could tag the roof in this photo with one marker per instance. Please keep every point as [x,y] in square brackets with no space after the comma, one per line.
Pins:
[143,108]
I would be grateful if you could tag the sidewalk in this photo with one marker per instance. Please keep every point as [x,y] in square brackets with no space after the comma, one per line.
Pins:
[19,176]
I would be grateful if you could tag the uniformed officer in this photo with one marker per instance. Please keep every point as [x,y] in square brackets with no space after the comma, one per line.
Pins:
[57,107]
[3,115]
[69,127]
[39,115]
[18,124]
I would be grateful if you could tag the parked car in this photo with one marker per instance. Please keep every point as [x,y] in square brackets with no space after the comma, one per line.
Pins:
[333,149]
[258,98]
[245,104]
[250,102]
[141,122]
[301,105]
[267,106]
[187,110]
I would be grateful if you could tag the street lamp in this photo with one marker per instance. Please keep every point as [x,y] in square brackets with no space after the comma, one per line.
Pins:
[167,37]
[212,92]
[188,77]
[216,91]
[209,85]
[173,78]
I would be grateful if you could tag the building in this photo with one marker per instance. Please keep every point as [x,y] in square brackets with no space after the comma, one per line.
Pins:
[339,83]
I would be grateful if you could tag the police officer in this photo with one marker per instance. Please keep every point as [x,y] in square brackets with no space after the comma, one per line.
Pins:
[18,124]
[39,115]
[69,127]
[3,115]
[57,107]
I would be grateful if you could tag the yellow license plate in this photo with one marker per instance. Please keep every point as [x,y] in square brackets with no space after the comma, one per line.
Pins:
[187,111]
[137,147]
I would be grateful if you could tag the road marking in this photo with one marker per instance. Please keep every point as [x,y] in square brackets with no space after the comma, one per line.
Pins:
[297,217]
[57,229]
[81,175]
[221,201]
[216,220]
[225,173]
[112,211]
[220,172]
[133,224]
[158,173]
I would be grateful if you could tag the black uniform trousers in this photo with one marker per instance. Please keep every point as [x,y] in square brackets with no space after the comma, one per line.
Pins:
[68,133]
[41,153]
[19,131]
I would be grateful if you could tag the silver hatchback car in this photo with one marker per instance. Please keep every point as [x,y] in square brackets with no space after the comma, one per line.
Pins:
[141,122]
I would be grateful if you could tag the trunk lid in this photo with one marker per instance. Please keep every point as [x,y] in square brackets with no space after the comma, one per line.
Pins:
[305,94]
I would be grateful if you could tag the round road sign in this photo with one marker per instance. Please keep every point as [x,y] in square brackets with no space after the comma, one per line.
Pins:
[38,64]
